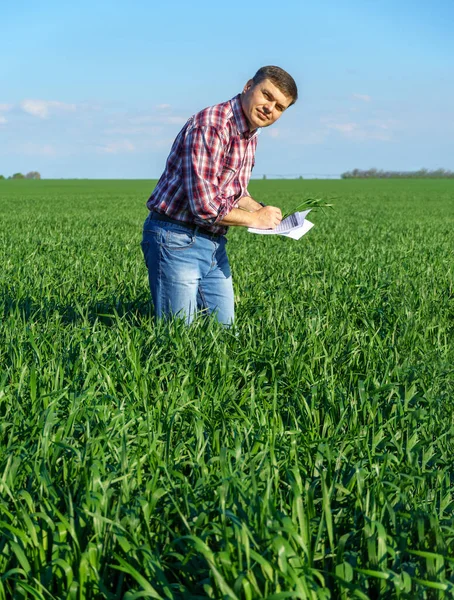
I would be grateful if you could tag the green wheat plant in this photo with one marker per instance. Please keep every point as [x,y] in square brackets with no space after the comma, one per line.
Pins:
[310,203]
[305,453]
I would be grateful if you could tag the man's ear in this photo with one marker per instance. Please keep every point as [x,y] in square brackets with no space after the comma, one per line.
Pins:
[248,86]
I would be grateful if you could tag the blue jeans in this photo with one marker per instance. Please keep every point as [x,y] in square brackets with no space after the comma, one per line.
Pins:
[188,271]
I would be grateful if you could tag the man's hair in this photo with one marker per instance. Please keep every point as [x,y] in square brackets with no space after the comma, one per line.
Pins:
[280,78]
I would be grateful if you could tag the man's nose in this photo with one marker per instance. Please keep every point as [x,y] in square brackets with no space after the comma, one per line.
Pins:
[269,106]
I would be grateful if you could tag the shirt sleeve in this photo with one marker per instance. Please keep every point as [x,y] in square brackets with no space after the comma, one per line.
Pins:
[252,168]
[203,154]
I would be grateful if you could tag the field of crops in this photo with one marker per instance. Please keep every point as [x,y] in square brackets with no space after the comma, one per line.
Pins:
[306,453]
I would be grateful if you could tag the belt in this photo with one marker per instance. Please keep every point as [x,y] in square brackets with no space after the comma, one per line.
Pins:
[156,216]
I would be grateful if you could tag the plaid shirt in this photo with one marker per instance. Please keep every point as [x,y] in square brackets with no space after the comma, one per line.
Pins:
[208,168]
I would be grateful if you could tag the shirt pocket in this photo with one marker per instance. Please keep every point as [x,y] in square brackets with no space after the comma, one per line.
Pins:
[227,176]
[230,167]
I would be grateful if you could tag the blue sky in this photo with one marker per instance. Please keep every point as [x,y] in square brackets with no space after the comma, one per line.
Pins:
[100,89]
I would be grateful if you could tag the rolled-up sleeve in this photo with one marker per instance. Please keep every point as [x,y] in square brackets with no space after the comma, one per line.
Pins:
[203,154]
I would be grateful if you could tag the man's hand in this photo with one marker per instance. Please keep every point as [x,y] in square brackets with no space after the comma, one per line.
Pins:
[267,217]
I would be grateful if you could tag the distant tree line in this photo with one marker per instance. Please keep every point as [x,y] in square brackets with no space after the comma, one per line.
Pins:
[31,175]
[379,174]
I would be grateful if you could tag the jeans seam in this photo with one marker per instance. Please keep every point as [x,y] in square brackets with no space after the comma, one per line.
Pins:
[161,309]
[214,262]
[205,303]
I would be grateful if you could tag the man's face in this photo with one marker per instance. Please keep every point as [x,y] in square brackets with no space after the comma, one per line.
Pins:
[263,103]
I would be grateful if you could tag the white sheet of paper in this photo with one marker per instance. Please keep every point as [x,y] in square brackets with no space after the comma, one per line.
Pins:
[294,226]
[298,232]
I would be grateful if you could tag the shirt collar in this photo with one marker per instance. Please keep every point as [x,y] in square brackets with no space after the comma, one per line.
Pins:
[240,119]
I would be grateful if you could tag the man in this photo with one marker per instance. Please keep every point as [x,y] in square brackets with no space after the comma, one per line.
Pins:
[202,192]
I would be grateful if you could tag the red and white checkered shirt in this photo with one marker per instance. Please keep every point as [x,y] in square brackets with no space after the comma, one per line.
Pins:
[208,168]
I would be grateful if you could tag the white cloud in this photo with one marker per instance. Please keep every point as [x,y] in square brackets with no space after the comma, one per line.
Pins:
[298,137]
[368,131]
[160,119]
[5,107]
[117,147]
[3,120]
[163,106]
[141,120]
[363,97]
[381,128]
[147,130]
[312,138]
[173,120]
[42,108]
[32,149]
[346,128]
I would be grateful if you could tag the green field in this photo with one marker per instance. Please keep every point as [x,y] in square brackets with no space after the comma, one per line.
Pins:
[306,453]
